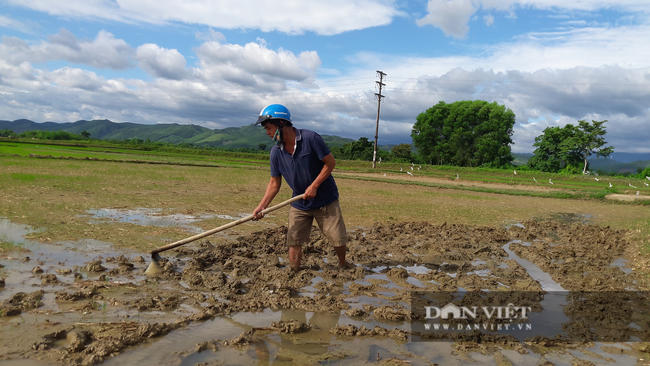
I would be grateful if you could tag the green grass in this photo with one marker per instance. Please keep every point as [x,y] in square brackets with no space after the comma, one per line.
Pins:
[565,186]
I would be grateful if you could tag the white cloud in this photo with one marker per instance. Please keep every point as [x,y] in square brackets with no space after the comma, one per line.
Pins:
[10,23]
[210,35]
[160,62]
[488,19]
[450,16]
[75,78]
[288,16]
[253,64]
[103,52]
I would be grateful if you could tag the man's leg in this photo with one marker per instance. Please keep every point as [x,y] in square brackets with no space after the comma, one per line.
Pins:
[298,234]
[331,223]
[295,256]
[340,252]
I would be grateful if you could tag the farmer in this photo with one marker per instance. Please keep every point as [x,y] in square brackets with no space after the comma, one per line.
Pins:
[305,162]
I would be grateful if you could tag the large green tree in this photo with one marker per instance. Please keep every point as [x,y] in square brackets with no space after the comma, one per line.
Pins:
[550,155]
[588,140]
[465,133]
[569,147]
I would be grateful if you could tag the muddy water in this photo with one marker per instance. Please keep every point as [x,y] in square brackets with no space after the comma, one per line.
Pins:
[238,302]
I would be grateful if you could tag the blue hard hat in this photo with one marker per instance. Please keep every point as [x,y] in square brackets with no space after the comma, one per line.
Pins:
[274,111]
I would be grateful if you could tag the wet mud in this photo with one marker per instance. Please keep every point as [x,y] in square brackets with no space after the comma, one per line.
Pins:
[99,307]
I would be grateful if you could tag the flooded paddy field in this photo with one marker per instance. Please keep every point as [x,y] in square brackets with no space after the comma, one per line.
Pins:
[225,301]
[75,237]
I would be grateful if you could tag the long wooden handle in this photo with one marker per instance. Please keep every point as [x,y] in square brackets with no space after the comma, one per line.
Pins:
[224,227]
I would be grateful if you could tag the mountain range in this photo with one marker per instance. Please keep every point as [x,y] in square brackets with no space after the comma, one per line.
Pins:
[250,136]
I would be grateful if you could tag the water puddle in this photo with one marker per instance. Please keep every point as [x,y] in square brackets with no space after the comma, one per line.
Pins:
[621,264]
[545,280]
[152,217]
[64,255]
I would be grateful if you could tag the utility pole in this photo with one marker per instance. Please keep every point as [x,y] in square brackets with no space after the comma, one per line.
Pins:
[380,83]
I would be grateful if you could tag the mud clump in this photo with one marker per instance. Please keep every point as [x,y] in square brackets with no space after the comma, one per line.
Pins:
[352,330]
[123,268]
[63,271]
[291,326]
[49,279]
[21,301]
[170,302]
[75,296]
[242,340]
[95,266]
[398,273]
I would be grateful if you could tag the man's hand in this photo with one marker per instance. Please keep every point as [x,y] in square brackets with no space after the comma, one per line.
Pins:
[310,192]
[257,213]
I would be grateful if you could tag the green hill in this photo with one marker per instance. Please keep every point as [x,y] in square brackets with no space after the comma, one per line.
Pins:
[250,136]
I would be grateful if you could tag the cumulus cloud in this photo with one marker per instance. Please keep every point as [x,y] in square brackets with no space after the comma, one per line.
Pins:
[488,19]
[160,62]
[254,64]
[105,51]
[75,78]
[450,16]
[287,16]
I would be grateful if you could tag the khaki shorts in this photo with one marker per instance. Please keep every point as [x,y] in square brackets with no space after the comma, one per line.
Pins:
[329,219]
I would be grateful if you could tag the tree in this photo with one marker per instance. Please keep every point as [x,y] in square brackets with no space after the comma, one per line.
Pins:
[568,147]
[465,133]
[85,134]
[361,149]
[402,151]
[549,155]
[587,140]
[262,147]
[7,133]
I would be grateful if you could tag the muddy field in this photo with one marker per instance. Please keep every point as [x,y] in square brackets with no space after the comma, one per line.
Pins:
[235,301]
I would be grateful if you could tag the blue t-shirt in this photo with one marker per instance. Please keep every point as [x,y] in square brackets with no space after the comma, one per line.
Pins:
[301,169]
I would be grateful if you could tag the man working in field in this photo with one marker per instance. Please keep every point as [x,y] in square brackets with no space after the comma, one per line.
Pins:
[305,162]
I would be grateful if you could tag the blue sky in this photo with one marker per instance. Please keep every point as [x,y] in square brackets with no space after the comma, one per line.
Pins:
[218,63]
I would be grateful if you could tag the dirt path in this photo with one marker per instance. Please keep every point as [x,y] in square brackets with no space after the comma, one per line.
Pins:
[539,187]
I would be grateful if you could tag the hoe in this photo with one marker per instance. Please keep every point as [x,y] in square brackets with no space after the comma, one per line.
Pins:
[155,268]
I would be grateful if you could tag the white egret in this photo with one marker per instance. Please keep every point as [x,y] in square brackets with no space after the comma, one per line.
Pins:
[535,179]
[630,184]
[411,168]
[457,177]
[400,169]
[384,174]
[409,173]
[646,184]
[637,193]
[515,172]
[549,180]
[596,179]
[610,184]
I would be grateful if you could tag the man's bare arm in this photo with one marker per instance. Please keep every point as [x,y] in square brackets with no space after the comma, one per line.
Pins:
[272,189]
